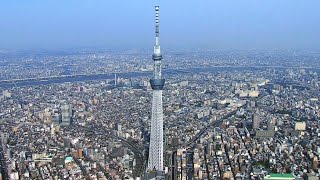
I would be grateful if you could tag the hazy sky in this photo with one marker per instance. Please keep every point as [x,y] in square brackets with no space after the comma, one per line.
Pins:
[226,24]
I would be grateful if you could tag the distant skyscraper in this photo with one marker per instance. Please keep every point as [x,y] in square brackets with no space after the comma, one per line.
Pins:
[256,121]
[56,118]
[155,161]
[66,113]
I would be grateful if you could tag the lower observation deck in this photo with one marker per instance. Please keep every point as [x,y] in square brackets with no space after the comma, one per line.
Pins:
[157,84]
[157,57]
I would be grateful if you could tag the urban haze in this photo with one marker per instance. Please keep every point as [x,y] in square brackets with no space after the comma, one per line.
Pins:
[183,90]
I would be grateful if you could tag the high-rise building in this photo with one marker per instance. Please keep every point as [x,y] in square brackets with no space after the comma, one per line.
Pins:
[66,114]
[315,163]
[256,121]
[56,118]
[155,161]
[271,124]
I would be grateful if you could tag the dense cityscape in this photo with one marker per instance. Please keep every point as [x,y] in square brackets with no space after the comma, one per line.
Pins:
[227,115]
[229,91]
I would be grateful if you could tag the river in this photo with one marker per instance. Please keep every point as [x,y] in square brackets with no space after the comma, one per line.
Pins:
[98,77]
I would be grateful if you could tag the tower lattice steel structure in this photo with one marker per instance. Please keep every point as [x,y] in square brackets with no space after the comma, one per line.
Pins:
[155,161]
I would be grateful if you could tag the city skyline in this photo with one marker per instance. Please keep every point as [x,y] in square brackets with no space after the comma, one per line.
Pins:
[124,24]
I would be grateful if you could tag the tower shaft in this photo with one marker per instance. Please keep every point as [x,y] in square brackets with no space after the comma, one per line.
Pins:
[156,139]
[155,161]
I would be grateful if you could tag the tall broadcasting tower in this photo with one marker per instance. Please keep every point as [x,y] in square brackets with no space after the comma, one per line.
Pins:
[155,161]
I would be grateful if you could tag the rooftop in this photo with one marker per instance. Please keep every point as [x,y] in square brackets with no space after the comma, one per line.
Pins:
[279,176]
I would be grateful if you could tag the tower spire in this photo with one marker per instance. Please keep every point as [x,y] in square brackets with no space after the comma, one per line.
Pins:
[157,26]
[156,52]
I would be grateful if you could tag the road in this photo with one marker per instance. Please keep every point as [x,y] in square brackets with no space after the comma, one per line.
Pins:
[216,123]
[190,143]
